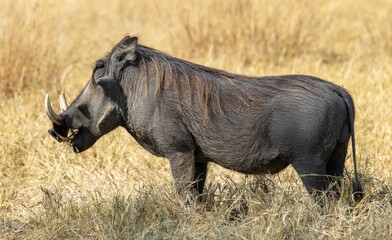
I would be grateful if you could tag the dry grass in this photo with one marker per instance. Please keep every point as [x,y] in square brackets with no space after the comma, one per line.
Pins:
[118,190]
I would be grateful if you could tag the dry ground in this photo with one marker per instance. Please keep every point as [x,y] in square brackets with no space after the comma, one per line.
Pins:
[116,190]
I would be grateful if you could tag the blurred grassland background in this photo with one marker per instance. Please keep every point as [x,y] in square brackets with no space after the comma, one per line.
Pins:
[116,190]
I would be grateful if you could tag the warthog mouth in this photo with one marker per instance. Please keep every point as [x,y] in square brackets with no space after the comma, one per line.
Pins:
[68,139]
[60,132]
[70,136]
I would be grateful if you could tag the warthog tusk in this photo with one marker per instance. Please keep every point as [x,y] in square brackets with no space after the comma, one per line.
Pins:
[63,102]
[51,114]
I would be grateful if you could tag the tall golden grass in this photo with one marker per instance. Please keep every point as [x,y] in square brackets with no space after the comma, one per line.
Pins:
[116,189]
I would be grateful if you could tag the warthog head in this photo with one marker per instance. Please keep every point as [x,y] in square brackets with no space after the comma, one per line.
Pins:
[100,107]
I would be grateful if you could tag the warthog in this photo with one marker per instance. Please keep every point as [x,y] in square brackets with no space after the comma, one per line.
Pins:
[193,115]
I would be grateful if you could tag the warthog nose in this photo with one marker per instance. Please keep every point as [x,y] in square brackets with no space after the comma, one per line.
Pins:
[53,133]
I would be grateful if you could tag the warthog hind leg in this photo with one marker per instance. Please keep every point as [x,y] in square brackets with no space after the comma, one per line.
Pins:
[335,165]
[313,173]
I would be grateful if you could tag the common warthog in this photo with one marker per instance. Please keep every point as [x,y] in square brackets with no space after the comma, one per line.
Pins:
[192,115]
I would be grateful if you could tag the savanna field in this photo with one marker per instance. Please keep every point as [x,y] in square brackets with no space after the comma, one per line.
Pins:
[116,189]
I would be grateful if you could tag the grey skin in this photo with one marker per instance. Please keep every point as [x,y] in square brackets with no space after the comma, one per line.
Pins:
[193,115]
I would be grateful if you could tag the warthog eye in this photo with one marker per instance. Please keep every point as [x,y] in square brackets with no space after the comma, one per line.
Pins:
[100,64]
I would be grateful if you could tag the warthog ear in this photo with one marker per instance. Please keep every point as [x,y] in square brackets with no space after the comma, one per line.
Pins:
[125,49]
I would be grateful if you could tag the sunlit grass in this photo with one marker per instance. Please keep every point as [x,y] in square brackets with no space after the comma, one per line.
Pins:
[118,190]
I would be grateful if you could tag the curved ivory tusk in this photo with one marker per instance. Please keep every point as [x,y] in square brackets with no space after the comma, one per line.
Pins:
[51,114]
[63,102]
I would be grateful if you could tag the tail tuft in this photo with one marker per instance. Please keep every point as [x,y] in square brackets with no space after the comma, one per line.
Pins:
[358,192]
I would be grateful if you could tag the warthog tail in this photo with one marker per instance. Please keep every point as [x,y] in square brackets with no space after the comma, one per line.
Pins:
[358,191]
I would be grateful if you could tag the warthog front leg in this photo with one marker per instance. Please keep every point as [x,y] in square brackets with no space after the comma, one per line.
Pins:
[183,170]
[200,178]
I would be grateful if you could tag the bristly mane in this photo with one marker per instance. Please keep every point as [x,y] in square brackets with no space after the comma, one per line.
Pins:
[186,77]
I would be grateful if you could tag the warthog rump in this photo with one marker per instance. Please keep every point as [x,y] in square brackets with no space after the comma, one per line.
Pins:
[193,115]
